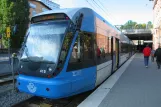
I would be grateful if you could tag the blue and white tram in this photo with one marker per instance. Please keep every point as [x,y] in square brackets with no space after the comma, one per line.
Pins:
[67,52]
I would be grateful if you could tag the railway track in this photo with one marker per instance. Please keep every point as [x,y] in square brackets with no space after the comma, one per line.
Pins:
[73,101]
[6,79]
[5,74]
[6,83]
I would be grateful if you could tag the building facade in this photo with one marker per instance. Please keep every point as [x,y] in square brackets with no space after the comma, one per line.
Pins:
[38,6]
[50,4]
[157,24]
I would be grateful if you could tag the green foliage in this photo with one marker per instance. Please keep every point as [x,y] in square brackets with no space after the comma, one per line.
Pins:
[149,25]
[133,25]
[129,25]
[144,26]
[14,12]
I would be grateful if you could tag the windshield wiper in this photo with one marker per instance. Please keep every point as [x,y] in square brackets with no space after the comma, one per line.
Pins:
[50,62]
[37,59]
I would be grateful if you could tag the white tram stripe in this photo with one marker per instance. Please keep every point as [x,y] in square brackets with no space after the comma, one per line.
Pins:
[99,94]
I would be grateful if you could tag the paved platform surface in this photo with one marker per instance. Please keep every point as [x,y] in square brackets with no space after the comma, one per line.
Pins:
[133,85]
[137,87]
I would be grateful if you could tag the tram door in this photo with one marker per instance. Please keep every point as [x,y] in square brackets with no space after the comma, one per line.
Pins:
[115,53]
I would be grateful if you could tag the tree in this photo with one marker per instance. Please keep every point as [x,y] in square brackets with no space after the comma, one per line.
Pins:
[133,25]
[14,13]
[129,25]
[21,22]
[6,18]
[139,26]
[122,27]
[149,25]
[144,26]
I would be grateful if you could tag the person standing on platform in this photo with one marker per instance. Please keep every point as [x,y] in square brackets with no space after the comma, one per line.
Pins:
[157,54]
[146,52]
[152,55]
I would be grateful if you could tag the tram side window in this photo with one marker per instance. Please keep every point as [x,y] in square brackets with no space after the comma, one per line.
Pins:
[82,55]
[124,49]
[65,47]
[88,50]
[103,48]
[75,61]
[108,52]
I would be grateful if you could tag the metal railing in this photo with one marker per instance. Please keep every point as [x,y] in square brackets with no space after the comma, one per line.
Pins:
[137,31]
[5,51]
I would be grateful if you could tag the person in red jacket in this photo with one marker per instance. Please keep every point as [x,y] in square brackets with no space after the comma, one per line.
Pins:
[146,52]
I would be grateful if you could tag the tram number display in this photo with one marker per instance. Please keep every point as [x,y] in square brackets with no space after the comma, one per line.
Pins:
[49,17]
[43,71]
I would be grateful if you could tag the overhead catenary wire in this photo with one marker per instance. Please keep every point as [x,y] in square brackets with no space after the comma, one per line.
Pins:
[99,7]
[90,4]
[107,10]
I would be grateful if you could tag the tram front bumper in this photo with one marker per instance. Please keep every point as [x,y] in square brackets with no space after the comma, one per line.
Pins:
[43,87]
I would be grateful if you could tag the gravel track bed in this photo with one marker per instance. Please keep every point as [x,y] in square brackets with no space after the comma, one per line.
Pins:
[9,97]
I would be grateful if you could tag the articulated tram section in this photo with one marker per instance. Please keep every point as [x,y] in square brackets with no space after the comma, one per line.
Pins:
[74,57]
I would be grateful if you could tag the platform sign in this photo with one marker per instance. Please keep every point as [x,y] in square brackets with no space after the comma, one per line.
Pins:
[8,32]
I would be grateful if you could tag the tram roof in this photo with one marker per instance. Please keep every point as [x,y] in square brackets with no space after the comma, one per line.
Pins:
[71,12]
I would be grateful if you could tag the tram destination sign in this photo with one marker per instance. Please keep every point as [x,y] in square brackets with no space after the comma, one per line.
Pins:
[59,16]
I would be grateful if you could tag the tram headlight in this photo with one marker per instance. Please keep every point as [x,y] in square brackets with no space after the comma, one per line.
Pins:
[50,69]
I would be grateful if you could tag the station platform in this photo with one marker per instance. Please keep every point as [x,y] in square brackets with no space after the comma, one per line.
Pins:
[132,85]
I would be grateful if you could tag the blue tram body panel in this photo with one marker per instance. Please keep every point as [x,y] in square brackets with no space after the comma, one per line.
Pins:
[64,85]
[37,86]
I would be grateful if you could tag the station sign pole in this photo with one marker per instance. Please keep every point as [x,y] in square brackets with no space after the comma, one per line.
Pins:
[1,40]
[8,34]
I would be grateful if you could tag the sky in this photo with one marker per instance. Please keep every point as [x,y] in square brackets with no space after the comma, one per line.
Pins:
[117,12]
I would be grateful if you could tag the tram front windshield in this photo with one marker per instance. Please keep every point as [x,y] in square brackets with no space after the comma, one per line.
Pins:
[44,41]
